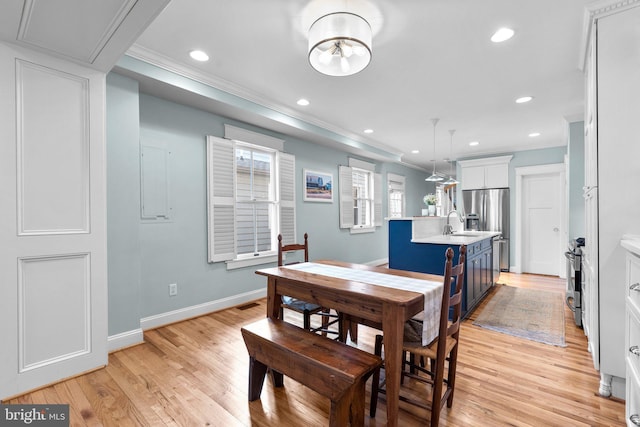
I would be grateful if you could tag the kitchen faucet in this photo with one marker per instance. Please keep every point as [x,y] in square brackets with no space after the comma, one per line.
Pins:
[447,227]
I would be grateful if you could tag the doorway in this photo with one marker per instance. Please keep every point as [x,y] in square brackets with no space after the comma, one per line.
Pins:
[540,225]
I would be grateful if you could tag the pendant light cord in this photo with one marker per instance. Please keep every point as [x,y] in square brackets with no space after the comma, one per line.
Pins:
[435,122]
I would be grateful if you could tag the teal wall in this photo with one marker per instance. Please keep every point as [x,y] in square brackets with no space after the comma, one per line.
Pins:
[145,257]
[576,180]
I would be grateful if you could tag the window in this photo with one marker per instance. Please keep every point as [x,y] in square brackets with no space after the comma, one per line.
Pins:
[251,199]
[255,200]
[360,197]
[446,199]
[396,196]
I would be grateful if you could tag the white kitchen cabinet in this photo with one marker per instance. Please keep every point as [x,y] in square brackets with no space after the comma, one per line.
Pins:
[472,177]
[632,330]
[490,172]
[612,95]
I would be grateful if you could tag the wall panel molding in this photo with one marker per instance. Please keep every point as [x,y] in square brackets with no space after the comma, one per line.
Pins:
[47,335]
[52,115]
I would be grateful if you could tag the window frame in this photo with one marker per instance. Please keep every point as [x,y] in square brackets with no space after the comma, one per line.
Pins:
[221,200]
[348,203]
[396,184]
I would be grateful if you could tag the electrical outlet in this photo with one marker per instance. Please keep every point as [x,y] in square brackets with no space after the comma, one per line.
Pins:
[173,289]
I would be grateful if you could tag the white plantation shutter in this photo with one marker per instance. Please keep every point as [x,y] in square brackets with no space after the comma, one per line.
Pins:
[346,197]
[220,199]
[286,165]
[377,200]
[225,199]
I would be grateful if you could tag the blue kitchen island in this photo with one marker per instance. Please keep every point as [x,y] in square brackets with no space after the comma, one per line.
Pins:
[414,245]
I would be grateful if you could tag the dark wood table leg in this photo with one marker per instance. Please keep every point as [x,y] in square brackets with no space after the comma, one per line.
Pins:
[393,328]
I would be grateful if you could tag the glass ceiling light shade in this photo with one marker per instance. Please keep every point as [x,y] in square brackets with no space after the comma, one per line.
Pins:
[451,180]
[434,176]
[340,44]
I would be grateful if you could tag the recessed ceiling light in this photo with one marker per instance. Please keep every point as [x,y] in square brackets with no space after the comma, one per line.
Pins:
[524,99]
[534,134]
[415,151]
[368,131]
[503,34]
[303,102]
[199,55]
[474,143]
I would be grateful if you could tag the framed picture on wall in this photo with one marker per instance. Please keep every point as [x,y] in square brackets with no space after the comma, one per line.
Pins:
[318,186]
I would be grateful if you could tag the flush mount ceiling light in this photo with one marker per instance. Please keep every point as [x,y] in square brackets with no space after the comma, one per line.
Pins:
[434,176]
[340,44]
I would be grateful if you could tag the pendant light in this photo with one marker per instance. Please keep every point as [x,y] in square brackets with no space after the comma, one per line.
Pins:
[434,177]
[451,181]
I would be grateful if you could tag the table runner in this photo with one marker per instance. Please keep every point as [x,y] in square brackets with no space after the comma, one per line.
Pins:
[432,290]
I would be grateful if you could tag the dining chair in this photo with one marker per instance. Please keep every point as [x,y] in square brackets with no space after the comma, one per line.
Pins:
[306,308]
[441,349]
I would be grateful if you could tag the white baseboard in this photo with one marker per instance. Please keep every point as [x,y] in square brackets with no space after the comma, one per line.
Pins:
[136,336]
[124,339]
[200,309]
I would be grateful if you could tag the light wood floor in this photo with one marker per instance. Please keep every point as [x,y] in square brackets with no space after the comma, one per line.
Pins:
[194,373]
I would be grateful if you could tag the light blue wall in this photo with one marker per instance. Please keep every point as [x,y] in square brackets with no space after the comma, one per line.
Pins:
[123,204]
[576,180]
[176,251]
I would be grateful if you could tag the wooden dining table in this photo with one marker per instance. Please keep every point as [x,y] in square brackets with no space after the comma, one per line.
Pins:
[384,307]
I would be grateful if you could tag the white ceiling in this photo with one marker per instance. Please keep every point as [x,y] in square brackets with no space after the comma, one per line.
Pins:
[431,58]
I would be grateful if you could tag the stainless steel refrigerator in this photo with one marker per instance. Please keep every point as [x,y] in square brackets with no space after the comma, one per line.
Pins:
[488,210]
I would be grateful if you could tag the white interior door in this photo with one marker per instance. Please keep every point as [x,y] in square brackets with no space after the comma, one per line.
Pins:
[541,223]
[53,287]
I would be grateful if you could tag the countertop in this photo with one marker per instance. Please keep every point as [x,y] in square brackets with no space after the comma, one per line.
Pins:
[458,238]
[631,243]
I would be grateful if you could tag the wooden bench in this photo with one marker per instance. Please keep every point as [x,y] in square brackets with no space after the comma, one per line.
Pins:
[331,368]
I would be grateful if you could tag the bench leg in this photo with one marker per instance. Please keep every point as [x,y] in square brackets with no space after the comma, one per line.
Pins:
[257,372]
[340,410]
[357,405]
[277,378]
[349,409]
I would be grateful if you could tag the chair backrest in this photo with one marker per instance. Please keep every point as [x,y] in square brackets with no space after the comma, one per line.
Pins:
[293,247]
[453,278]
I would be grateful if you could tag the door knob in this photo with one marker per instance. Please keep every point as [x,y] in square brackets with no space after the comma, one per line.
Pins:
[556,229]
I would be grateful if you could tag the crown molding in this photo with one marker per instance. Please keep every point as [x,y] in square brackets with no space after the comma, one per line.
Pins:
[601,8]
[594,11]
[151,57]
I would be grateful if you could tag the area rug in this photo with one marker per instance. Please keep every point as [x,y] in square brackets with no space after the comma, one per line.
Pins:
[527,313]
